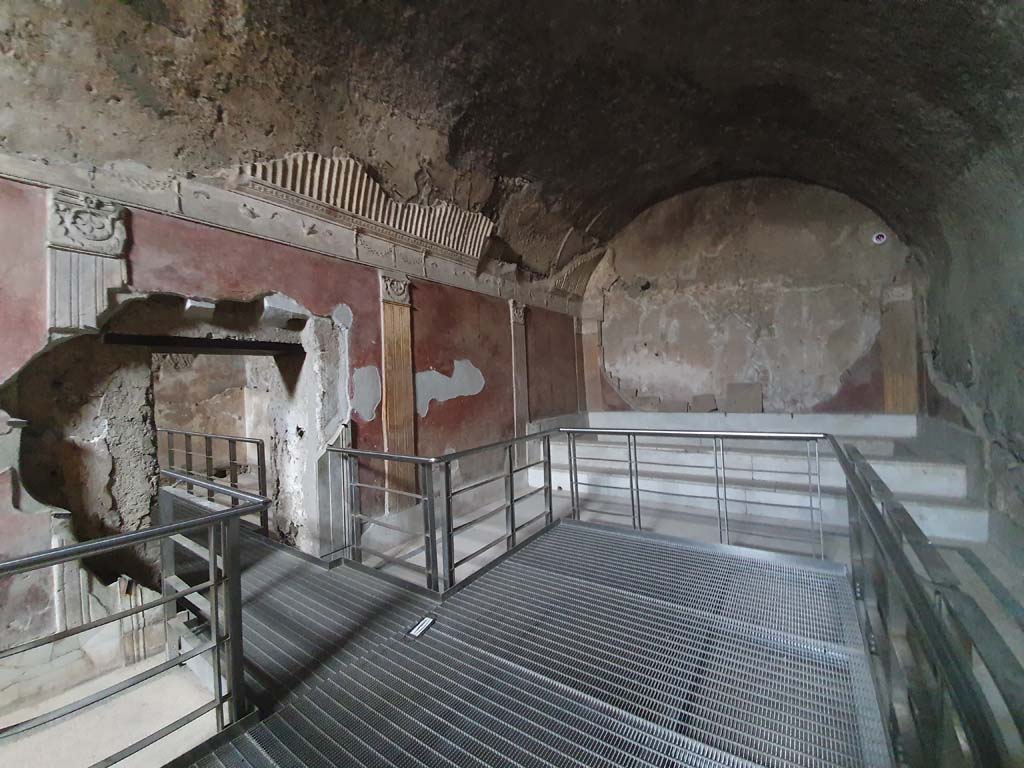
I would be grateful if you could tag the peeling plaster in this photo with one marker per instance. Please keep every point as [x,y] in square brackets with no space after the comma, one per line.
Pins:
[762,280]
[466,380]
[366,392]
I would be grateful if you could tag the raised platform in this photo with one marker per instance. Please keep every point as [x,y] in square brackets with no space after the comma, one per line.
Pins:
[587,646]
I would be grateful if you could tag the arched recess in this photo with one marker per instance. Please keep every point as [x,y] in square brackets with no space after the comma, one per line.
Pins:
[764,281]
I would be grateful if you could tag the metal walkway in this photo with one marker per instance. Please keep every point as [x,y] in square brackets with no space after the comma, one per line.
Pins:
[587,646]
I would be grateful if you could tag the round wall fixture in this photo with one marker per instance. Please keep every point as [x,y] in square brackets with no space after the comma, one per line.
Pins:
[879,238]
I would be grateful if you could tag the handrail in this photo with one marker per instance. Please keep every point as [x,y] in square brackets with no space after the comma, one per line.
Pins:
[224,571]
[206,458]
[238,438]
[725,435]
[48,557]
[929,610]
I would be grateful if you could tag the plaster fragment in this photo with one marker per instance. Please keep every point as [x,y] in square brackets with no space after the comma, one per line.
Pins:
[366,392]
[466,380]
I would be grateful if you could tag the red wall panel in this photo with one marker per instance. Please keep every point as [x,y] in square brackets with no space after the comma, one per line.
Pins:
[176,256]
[551,356]
[450,324]
[23,280]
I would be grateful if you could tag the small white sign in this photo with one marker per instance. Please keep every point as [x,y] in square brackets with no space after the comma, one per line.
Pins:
[422,627]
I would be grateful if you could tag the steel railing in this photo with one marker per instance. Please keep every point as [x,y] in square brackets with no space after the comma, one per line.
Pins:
[217,598]
[803,483]
[216,458]
[950,687]
[432,508]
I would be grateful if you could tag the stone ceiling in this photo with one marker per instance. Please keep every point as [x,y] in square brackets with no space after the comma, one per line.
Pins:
[542,114]
[562,119]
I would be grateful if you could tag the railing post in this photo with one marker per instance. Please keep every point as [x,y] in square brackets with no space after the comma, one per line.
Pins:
[548,504]
[725,495]
[170,450]
[448,547]
[510,489]
[354,517]
[810,492]
[574,488]
[165,513]
[216,578]
[233,618]
[261,470]
[188,462]
[718,493]
[429,523]
[208,443]
[629,470]
[821,509]
[233,467]
[635,462]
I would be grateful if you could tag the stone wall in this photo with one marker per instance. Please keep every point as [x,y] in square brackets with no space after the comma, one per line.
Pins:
[762,281]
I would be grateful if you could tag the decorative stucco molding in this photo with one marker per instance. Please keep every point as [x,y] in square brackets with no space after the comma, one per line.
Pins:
[394,289]
[517,310]
[87,238]
[572,279]
[340,188]
[86,224]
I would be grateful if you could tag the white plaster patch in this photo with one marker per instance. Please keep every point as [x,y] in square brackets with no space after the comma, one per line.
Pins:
[466,380]
[366,392]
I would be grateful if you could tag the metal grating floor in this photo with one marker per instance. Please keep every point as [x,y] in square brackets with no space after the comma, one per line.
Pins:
[597,647]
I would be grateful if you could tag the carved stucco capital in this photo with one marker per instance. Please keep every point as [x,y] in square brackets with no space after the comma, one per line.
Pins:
[86,247]
[394,288]
[86,224]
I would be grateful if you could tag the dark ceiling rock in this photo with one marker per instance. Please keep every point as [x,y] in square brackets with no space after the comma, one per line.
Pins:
[552,115]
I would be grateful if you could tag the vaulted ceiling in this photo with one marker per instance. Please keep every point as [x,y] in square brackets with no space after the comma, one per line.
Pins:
[562,119]
[544,113]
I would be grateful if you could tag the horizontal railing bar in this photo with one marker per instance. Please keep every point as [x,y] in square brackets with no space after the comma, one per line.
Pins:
[370,520]
[489,514]
[119,541]
[111,543]
[964,689]
[365,454]
[199,550]
[467,558]
[370,486]
[528,494]
[236,438]
[105,620]
[696,433]
[478,483]
[999,659]
[394,560]
[529,466]
[154,737]
[494,446]
[606,512]
[67,709]
[532,520]
[226,490]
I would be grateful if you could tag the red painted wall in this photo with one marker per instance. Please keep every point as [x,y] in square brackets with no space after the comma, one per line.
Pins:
[171,255]
[450,324]
[23,288]
[551,357]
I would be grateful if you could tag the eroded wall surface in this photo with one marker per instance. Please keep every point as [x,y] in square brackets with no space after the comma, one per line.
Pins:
[89,445]
[762,281]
